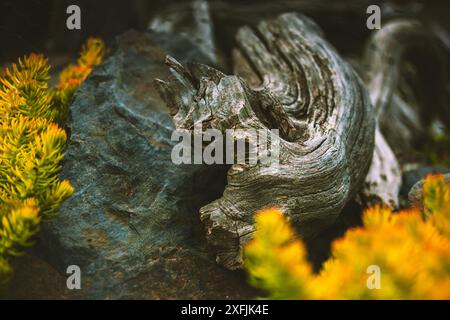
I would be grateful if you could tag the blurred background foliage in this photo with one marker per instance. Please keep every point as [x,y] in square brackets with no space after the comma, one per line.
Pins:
[39,25]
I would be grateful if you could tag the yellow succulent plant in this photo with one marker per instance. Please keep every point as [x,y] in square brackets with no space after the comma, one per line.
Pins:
[410,248]
[32,145]
[92,53]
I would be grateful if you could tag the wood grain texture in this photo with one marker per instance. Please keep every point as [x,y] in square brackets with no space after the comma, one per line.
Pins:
[296,82]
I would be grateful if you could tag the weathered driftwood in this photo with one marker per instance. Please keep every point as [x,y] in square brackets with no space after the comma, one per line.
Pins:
[296,82]
[405,70]
[191,18]
[384,179]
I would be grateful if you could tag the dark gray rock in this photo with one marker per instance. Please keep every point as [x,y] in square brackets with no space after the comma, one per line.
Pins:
[411,177]
[415,195]
[132,224]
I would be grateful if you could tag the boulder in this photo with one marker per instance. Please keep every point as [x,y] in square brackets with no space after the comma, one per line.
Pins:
[415,195]
[132,225]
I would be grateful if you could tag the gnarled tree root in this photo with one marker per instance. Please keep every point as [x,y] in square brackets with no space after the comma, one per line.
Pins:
[297,83]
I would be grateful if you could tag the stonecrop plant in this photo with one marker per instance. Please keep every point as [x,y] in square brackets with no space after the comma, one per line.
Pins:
[411,248]
[92,54]
[32,146]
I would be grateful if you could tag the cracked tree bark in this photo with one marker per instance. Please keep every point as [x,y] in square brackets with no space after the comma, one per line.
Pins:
[296,82]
